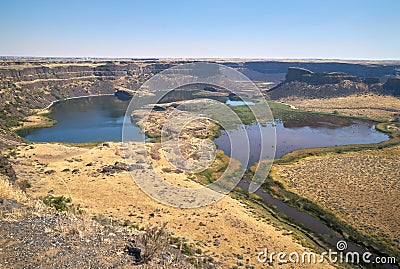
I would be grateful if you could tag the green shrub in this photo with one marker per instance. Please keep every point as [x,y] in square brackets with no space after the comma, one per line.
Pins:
[26,184]
[60,203]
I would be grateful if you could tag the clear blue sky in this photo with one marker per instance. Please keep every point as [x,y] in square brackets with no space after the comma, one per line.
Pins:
[345,29]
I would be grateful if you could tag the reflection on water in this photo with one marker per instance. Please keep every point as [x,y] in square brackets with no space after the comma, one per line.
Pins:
[238,103]
[100,118]
[90,119]
[289,139]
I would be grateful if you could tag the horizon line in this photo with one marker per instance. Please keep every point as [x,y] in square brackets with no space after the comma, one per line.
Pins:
[193,58]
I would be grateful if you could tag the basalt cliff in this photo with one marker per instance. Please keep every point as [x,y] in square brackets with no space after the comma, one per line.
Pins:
[303,83]
[29,85]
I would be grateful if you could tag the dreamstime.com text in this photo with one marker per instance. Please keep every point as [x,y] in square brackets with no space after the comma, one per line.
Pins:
[331,256]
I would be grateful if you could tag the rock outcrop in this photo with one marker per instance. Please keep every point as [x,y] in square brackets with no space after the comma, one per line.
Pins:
[7,170]
[30,84]
[123,94]
[381,70]
[371,80]
[304,83]
[304,75]
[393,84]
[26,86]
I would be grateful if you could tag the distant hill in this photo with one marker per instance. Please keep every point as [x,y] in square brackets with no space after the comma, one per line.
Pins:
[301,82]
[361,69]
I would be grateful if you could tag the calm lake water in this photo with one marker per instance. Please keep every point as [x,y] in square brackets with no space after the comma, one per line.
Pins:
[289,139]
[100,118]
[88,119]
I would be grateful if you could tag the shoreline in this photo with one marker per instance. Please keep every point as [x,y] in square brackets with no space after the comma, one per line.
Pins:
[76,97]
[42,119]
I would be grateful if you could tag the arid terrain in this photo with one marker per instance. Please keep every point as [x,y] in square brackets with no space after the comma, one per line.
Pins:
[362,188]
[373,106]
[32,235]
[230,231]
[359,186]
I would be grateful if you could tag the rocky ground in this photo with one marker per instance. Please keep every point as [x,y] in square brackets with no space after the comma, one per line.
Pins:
[30,239]
[33,235]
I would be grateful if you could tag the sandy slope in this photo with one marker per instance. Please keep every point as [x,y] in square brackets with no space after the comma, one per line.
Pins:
[222,230]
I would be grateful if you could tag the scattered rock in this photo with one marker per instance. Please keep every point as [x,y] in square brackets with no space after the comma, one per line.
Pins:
[166,170]
[119,167]
[35,241]
[134,251]
[6,169]
[49,172]
[9,204]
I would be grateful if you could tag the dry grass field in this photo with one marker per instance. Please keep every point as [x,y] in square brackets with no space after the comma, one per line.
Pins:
[372,106]
[361,188]
[33,235]
[230,231]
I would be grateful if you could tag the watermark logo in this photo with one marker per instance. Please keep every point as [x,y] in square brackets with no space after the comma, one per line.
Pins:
[341,245]
[183,101]
[339,256]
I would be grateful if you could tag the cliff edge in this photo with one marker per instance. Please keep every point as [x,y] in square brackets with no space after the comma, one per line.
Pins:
[303,83]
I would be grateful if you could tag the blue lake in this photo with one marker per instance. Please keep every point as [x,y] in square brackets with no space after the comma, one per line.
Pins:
[88,119]
[100,118]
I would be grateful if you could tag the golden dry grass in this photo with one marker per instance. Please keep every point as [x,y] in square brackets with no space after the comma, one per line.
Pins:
[9,191]
[362,188]
[235,226]
[372,106]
